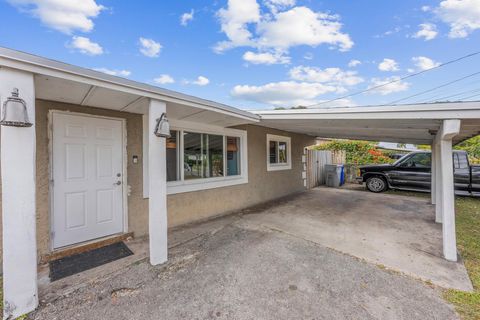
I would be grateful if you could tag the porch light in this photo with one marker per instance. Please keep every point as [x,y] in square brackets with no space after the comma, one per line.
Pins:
[162,129]
[14,113]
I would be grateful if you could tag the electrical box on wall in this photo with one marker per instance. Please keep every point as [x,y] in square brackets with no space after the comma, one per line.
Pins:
[135,159]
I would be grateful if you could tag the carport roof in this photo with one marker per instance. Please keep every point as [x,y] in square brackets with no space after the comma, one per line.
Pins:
[415,123]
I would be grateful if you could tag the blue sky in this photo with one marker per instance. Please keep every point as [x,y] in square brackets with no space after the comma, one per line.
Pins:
[259,54]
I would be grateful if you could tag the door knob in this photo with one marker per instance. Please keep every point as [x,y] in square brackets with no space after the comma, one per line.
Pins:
[117,183]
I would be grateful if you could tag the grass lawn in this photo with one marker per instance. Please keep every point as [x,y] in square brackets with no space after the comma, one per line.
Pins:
[467,304]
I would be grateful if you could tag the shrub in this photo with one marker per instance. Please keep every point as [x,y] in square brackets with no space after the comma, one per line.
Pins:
[357,152]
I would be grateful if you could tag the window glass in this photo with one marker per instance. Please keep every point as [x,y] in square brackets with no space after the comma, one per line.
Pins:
[213,155]
[203,155]
[418,160]
[273,145]
[192,155]
[172,157]
[233,156]
[462,160]
[282,152]
[456,162]
[277,152]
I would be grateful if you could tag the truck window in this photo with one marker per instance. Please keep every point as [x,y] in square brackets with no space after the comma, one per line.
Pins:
[456,162]
[418,160]
[462,160]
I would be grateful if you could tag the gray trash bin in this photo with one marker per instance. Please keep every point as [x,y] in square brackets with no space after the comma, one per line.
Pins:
[334,173]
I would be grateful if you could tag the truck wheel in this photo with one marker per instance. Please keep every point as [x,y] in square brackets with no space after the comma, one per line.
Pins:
[376,184]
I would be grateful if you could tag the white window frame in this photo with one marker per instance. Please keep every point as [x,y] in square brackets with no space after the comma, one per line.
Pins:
[279,166]
[181,186]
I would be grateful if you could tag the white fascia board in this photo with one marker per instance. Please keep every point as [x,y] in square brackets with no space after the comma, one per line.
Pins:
[456,110]
[42,66]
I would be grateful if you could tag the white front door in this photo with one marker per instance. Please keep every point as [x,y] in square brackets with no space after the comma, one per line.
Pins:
[87,178]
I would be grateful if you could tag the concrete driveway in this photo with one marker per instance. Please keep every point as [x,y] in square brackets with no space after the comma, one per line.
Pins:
[398,232]
[245,267]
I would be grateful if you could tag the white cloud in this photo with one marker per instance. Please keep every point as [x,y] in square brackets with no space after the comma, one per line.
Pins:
[388,65]
[201,81]
[424,63]
[354,63]
[85,46]
[330,76]
[463,16]
[186,18]
[278,30]
[284,93]
[428,31]
[114,72]
[267,58]
[149,47]
[389,88]
[301,26]
[234,22]
[305,87]
[425,8]
[63,15]
[275,5]
[164,79]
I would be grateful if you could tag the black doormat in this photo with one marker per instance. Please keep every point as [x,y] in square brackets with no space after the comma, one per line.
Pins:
[68,266]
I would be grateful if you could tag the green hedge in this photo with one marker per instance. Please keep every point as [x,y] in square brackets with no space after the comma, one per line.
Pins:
[357,152]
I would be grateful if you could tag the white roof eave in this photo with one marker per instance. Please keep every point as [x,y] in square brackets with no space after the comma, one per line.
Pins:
[439,111]
[39,65]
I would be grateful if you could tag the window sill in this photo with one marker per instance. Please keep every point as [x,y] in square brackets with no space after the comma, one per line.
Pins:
[279,167]
[175,187]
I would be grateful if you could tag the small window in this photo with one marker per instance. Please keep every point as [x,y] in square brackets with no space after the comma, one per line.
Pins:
[279,153]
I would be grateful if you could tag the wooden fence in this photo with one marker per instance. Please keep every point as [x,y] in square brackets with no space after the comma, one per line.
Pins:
[315,161]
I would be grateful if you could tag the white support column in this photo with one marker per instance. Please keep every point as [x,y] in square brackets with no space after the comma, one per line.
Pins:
[433,194]
[157,203]
[438,181]
[450,129]
[18,169]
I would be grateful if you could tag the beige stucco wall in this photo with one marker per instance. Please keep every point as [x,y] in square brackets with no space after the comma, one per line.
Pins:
[185,207]
[262,185]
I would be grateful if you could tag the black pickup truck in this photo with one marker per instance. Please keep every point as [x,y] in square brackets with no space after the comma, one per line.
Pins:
[413,172]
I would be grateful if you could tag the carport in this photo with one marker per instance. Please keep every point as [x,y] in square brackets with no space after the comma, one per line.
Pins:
[440,125]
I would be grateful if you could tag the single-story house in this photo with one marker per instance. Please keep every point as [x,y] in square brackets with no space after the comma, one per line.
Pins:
[88,160]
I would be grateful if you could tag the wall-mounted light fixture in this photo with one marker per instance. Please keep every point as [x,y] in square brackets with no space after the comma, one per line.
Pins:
[162,129]
[14,113]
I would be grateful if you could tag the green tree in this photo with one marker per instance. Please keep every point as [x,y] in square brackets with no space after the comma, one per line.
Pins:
[472,146]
